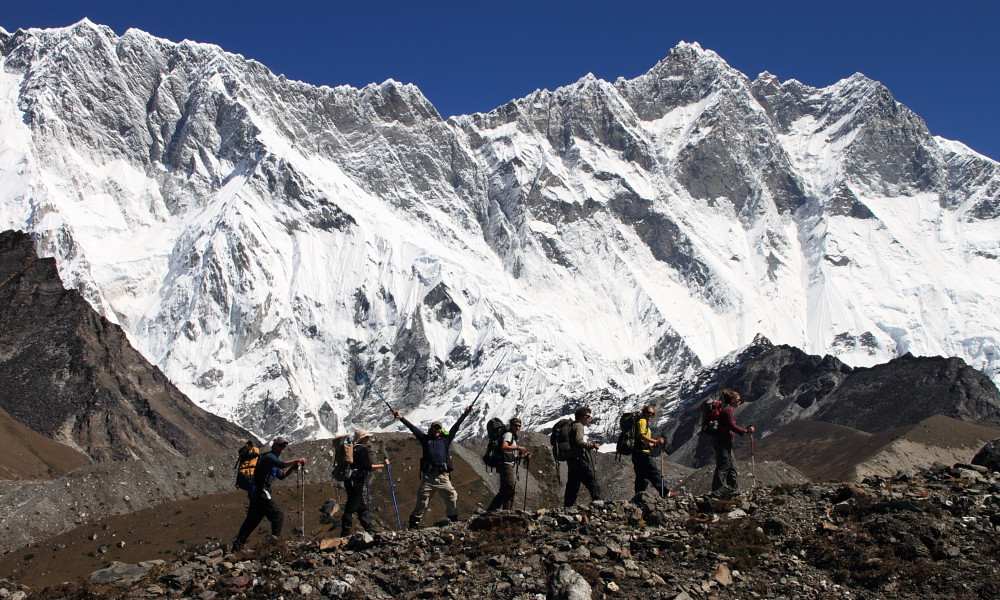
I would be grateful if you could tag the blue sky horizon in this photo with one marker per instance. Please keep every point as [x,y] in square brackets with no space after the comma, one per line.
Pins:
[939,59]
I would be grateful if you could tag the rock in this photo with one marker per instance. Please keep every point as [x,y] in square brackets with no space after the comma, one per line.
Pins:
[989,456]
[336,589]
[332,543]
[119,574]
[723,575]
[361,540]
[570,585]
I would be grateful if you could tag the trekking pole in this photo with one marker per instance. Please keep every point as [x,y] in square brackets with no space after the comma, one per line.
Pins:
[368,491]
[372,386]
[300,483]
[527,471]
[392,488]
[753,463]
[495,369]
[661,472]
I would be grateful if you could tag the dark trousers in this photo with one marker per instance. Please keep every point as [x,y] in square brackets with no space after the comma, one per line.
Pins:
[508,482]
[579,472]
[259,508]
[647,472]
[725,466]
[355,504]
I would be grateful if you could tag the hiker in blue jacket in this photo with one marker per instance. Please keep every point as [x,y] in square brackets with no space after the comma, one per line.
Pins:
[269,467]
[435,466]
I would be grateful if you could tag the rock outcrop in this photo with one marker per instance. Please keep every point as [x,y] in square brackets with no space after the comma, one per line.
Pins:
[71,375]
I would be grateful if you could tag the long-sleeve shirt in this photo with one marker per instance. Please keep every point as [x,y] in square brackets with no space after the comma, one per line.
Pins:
[727,423]
[436,450]
[583,450]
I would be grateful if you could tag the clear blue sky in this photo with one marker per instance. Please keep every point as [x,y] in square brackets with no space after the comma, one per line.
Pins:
[941,58]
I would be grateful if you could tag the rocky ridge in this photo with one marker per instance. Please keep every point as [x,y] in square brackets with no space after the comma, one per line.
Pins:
[918,535]
[781,384]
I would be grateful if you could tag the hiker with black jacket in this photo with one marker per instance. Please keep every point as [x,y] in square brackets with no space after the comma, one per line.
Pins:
[646,470]
[435,466]
[269,467]
[581,466]
[508,476]
[361,467]
[724,482]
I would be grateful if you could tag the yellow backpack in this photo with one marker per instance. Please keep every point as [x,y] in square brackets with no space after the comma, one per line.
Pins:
[245,466]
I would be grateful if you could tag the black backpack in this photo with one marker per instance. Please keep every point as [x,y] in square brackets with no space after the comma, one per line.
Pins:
[495,430]
[629,425]
[559,438]
[711,412]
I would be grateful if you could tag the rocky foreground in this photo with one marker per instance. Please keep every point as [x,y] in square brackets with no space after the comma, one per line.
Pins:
[927,534]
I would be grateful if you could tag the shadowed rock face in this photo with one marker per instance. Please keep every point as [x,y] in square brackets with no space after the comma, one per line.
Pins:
[781,384]
[72,376]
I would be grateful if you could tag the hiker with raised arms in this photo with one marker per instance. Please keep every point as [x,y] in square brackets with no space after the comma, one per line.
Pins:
[435,466]
[724,481]
[510,455]
[269,467]
[581,466]
[355,485]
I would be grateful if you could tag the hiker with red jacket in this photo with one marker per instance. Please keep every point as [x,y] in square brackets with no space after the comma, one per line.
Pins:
[724,482]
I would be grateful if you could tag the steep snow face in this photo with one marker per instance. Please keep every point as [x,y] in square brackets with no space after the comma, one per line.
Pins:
[263,240]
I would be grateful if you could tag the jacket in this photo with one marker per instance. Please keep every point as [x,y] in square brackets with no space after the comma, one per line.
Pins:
[436,456]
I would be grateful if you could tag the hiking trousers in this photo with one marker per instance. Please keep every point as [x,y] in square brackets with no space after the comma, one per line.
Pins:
[355,504]
[647,472]
[508,482]
[259,508]
[580,473]
[432,483]
[725,465]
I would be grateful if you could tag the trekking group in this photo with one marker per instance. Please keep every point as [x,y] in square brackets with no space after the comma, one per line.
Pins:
[353,463]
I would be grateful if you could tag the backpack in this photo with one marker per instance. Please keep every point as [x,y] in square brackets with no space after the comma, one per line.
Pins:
[343,458]
[245,466]
[711,412]
[559,438]
[495,430]
[629,424]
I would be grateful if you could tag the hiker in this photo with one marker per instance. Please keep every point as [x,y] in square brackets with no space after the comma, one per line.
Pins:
[581,466]
[646,471]
[508,477]
[724,481]
[245,465]
[435,467]
[269,467]
[355,485]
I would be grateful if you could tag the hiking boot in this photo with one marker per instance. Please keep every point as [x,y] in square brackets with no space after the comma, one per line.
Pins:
[414,523]
[453,518]
[237,545]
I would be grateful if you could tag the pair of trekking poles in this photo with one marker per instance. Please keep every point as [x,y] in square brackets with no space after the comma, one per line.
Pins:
[392,487]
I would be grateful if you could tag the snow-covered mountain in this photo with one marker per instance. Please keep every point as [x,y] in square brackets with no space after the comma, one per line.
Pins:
[260,238]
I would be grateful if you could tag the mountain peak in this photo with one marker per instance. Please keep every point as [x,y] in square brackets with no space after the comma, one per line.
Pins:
[258,238]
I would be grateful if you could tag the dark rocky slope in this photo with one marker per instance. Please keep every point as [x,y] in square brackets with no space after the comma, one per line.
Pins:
[781,384]
[72,376]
